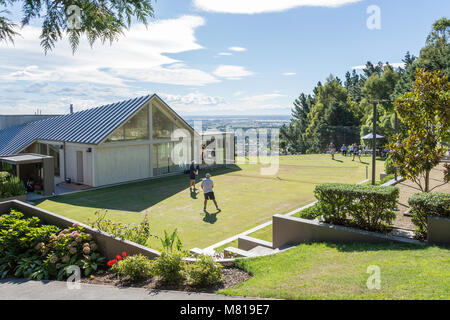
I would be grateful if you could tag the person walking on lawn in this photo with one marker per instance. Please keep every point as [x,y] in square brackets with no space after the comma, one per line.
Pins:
[193,172]
[332,150]
[207,186]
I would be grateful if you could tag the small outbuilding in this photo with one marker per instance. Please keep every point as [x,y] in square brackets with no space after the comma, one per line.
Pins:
[31,168]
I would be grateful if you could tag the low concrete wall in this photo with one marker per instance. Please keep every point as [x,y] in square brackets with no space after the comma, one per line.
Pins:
[293,231]
[248,243]
[438,231]
[109,245]
[19,198]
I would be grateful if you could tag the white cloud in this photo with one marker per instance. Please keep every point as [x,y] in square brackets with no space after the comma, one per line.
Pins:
[394,65]
[263,6]
[225,54]
[139,55]
[262,97]
[237,49]
[289,73]
[195,98]
[231,72]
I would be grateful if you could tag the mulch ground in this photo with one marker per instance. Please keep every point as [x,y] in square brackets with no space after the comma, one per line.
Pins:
[231,277]
[408,188]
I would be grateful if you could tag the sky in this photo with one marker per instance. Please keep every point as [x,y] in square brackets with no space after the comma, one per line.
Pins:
[215,57]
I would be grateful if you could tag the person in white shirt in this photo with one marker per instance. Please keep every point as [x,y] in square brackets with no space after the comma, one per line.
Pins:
[207,186]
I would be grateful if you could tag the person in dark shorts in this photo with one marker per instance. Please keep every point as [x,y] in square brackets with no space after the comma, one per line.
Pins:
[193,171]
[207,186]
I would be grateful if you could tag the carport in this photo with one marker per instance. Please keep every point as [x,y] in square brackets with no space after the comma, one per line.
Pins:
[31,167]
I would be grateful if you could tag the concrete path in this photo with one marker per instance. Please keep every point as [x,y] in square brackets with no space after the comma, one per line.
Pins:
[22,289]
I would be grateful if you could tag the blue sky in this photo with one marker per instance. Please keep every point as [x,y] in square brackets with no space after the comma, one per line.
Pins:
[214,57]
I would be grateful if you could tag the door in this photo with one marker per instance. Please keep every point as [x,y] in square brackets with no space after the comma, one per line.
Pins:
[80,167]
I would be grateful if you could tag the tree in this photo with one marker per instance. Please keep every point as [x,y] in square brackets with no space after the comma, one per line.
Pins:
[426,112]
[103,20]
[434,56]
[331,118]
[292,134]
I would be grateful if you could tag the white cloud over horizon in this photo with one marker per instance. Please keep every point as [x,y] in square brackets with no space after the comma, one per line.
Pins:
[237,49]
[232,72]
[263,6]
[138,58]
[141,51]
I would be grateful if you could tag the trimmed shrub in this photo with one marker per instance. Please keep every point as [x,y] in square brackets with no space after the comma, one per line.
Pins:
[204,271]
[310,213]
[171,267]
[428,204]
[134,268]
[364,206]
[389,166]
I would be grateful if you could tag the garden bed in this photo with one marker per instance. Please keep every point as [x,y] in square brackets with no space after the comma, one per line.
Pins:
[231,277]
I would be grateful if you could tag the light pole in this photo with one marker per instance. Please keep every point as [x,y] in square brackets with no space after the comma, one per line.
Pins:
[374,137]
[396,132]
[374,142]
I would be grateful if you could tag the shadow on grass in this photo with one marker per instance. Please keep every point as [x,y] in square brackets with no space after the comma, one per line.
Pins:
[210,218]
[137,196]
[364,247]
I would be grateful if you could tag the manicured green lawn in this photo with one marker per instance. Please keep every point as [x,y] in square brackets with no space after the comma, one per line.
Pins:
[327,271]
[246,198]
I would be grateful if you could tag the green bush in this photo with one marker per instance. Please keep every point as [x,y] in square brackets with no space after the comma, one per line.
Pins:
[30,249]
[204,271]
[363,206]
[310,213]
[389,166]
[134,268]
[4,175]
[171,267]
[137,233]
[11,187]
[428,204]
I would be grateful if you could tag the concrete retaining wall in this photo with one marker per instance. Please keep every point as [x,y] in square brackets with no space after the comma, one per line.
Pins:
[438,231]
[247,243]
[19,198]
[293,231]
[108,245]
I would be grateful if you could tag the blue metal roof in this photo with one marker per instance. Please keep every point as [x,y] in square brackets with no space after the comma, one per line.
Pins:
[89,126]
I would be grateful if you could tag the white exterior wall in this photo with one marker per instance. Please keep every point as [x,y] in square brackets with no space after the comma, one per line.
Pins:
[115,164]
[71,162]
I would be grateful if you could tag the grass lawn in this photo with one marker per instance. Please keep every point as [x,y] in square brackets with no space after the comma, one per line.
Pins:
[327,271]
[246,198]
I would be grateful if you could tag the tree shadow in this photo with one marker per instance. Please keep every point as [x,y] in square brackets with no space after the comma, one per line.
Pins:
[364,247]
[135,196]
[210,218]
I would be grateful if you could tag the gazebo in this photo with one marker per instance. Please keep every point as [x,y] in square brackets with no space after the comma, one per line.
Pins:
[370,136]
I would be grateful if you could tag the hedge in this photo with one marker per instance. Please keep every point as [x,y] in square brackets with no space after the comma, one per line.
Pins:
[428,204]
[363,206]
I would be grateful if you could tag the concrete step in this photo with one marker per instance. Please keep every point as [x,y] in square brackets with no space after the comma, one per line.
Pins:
[262,251]
[232,251]
[247,243]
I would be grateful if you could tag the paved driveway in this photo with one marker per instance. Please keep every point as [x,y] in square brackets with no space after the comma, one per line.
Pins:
[22,289]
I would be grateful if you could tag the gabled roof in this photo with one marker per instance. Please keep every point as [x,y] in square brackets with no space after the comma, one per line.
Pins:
[89,126]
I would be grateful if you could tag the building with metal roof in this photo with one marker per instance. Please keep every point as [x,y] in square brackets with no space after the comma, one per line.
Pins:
[124,141]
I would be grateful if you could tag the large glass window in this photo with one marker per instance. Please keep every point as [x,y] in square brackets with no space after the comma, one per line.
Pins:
[162,125]
[163,161]
[134,129]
